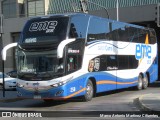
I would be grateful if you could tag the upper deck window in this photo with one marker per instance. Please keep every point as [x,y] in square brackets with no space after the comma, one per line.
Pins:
[98,29]
[78,27]
[53,29]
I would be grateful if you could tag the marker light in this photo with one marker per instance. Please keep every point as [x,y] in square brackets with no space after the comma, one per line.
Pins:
[62,82]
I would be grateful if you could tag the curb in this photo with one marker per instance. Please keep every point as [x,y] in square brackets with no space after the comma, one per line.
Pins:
[139,103]
[11,100]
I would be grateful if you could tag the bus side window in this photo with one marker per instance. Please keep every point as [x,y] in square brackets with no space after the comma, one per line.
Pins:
[152,36]
[111,62]
[141,35]
[114,32]
[78,27]
[97,29]
[73,63]
[132,34]
[73,33]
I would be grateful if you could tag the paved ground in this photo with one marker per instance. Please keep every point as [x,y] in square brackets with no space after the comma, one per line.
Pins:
[150,102]
[146,102]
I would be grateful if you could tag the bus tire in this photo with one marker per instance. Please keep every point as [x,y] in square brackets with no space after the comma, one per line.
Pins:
[145,82]
[140,82]
[89,91]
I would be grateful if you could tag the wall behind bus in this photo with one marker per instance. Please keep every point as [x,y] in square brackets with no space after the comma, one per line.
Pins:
[11,26]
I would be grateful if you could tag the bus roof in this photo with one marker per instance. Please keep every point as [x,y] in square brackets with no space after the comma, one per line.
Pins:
[84,14]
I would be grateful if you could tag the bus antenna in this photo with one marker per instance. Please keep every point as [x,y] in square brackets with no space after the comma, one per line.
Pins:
[83,4]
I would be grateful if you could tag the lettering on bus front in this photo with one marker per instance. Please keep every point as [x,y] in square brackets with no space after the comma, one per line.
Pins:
[48,26]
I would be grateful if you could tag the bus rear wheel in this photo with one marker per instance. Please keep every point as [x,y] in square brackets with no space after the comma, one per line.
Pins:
[145,82]
[89,91]
[140,82]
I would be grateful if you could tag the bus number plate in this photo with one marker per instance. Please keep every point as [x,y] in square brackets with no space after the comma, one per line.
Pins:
[37,97]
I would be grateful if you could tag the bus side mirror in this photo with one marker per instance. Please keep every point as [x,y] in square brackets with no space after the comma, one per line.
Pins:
[61,47]
[4,50]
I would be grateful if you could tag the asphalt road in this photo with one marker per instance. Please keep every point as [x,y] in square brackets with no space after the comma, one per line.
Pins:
[122,100]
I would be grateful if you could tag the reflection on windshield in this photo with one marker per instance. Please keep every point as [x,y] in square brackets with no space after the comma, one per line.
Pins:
[39,63]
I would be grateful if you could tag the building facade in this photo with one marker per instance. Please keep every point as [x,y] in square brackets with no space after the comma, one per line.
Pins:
[16,12]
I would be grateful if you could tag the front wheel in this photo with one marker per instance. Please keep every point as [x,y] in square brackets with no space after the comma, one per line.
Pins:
[89,91]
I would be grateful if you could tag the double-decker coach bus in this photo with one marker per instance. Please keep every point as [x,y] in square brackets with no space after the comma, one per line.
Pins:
[69,55]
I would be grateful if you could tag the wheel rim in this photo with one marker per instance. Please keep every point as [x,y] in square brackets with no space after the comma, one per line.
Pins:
[140,83]
[89,90]
[145,82]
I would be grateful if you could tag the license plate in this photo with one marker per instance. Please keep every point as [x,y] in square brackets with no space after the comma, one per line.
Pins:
[37,97]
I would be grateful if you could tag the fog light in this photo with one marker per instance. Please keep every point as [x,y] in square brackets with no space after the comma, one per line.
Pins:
[19,94]
[19,85]
[59,92]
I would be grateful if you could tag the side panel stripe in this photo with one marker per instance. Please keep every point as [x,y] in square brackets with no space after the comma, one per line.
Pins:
[112,82]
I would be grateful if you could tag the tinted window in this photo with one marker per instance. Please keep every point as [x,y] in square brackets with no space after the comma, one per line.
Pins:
[152,36]
[133,63]
[132,34]
[97,29]
[122,62]
[141,35]
[103,63]
[78,27]
[73,63]
[44,30]
[112,62]
[119,32]
[127,62]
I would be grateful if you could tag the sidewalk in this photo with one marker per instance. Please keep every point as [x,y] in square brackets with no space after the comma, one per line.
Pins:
[149,102]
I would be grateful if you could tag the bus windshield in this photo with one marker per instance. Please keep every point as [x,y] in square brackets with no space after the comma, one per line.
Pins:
[41,30]
[39,65]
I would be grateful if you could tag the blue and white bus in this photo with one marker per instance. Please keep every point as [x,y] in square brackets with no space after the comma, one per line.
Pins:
[70,55]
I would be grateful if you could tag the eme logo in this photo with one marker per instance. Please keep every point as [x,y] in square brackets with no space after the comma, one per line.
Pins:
[143,51]
[48,26]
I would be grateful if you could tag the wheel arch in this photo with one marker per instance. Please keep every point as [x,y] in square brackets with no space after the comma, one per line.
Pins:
[141,74]
[148,75]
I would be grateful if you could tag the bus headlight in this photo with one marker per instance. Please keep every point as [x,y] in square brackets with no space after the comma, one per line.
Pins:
[19,85]
[62,82]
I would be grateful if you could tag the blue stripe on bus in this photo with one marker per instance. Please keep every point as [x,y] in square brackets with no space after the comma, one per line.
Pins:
[104,81]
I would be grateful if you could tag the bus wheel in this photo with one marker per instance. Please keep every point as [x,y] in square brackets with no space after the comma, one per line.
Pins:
[145,82]
[89,91]
[140,82]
